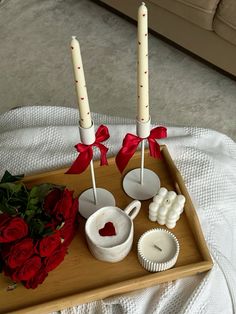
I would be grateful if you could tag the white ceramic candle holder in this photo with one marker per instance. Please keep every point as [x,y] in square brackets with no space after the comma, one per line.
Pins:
[158,250]
[141,183]
[94,198]
[143,128]
[87,135]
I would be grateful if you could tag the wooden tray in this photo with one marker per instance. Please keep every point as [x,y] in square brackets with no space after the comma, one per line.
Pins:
[81,278]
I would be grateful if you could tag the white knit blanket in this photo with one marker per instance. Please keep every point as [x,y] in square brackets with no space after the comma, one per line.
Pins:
[35,139]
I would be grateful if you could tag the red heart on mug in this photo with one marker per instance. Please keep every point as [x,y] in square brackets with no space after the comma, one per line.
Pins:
[108,230]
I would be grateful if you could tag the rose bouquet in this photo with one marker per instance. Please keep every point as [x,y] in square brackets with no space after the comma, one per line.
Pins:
[36,228]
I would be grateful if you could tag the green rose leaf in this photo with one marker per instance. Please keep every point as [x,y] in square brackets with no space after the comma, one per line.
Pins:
[36,227]
[40,191]
[7,177]
[35,200]
[11,188]
[13,197]
[7,208]
[33,205]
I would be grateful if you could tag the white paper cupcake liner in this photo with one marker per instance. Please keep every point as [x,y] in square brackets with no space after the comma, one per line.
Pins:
[157,266]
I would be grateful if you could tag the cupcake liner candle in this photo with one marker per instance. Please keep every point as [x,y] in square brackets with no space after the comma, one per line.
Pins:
[158,250]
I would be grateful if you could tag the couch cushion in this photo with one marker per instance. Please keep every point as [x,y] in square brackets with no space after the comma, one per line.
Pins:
[200,12]
[225,20]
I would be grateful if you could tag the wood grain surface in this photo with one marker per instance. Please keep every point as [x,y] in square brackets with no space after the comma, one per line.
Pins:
[81,278]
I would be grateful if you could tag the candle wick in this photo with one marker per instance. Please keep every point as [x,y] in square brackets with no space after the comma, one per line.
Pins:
[143,3]
[73,37]
[157,247]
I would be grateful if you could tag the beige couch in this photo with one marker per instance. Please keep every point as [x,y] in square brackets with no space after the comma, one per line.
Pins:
[206,28]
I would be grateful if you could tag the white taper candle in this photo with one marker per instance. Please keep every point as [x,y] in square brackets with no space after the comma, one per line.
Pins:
[142,75]
[81,89]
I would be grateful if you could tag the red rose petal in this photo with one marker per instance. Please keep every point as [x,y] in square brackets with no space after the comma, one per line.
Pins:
[108,230]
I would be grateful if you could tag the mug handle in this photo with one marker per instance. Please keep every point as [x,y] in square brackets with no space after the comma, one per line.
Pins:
[133,208]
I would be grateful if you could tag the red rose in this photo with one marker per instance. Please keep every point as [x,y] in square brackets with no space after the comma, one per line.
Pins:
[13,229]
[67,232]
[55,259]
[20,252]
[64,205]
[28,269]
[74,208]
[53,224]
[48,244]
[5,249]
[3,219]
[51,199]
[38,278]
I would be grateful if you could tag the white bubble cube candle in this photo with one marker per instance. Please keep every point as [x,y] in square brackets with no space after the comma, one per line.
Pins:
[166,208]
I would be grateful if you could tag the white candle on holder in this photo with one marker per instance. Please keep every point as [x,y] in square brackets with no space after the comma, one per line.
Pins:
[81,89]
[142,79]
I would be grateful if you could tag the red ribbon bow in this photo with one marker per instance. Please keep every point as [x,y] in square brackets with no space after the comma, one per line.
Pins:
[131,142]
[86,151]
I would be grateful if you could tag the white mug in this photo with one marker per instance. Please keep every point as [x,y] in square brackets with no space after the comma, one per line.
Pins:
[117,247]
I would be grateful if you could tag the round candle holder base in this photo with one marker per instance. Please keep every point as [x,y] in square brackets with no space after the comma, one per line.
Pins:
[87,205]
[133,187]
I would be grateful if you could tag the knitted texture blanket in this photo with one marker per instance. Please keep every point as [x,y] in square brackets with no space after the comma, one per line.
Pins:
[36,139]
